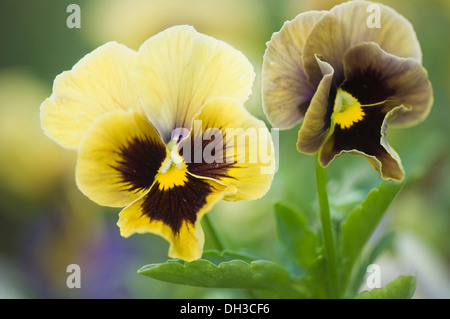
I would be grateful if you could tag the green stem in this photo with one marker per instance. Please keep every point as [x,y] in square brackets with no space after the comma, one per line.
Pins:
[213,234]
[219,243]
[327,230]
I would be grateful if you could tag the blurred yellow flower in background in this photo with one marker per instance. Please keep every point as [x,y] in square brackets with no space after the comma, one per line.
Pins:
[132,22]
[37,187]
[31,166]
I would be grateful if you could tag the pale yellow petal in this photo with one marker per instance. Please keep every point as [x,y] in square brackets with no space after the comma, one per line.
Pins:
[179,70]
[99,83]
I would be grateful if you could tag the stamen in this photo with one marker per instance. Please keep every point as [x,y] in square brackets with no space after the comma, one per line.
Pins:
[176,158]
[165,166]
[172,171]
[378,103]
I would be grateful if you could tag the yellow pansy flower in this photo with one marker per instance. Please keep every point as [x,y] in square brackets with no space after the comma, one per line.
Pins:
[141,123]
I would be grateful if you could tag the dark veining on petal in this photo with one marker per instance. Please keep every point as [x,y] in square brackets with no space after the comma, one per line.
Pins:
[177,204]
[216,167]
[140,161]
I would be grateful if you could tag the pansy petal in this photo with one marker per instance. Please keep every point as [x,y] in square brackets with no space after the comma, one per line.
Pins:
[367,138]
[373,76]
[286,92]
[233,147]
[349,24]
[180,69]
[174,214]
[99,83]
[316,124]
[119,158]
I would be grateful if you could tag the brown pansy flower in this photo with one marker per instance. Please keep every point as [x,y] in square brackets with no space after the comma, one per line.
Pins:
[347,79]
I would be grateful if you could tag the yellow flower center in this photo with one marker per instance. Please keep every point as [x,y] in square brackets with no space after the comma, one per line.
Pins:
[173,171]
[347,110]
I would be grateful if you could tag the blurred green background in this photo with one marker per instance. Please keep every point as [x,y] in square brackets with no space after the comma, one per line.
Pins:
[47,224]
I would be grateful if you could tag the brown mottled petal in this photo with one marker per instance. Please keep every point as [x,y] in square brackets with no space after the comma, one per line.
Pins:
[366,138]
[316,124]
[346,25]
[286,92]
[373,75]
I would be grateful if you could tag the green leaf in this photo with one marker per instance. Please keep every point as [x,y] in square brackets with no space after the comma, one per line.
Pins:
[222,271]
[299,243]
[401,288]
[314,285]
[217,257]
[361,272]
[362,221]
